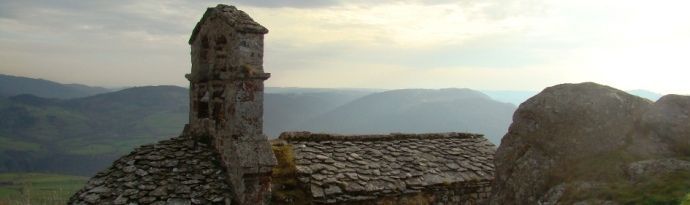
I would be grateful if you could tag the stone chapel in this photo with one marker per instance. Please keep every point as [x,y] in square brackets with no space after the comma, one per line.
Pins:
[223,157]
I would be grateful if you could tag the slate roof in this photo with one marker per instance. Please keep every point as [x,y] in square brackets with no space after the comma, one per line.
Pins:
[175,171]
[240,20]
[339,168]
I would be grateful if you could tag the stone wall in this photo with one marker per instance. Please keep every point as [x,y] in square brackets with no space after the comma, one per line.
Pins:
[467,193]
[226,98]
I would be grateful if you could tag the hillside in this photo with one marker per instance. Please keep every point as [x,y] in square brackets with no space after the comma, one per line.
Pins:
[82,135]
[417,111]
[38,188]
[79,136]
[285,110]
[14,85]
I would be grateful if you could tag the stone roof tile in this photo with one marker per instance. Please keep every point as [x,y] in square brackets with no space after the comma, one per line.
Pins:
[344,167]
[175,171]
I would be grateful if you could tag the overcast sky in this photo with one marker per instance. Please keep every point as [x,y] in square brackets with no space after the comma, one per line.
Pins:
[488,44]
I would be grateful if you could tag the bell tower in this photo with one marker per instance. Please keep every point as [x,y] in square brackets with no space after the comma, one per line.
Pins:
[226,98]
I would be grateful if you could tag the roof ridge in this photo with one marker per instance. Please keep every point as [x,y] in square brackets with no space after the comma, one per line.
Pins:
[309,136]
[240,20]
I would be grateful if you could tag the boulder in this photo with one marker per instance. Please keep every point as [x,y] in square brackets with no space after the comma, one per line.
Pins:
[668,121]
[574,134]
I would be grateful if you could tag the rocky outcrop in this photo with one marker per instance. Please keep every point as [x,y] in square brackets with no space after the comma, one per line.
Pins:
[642,170]
[668,123]
[572,139]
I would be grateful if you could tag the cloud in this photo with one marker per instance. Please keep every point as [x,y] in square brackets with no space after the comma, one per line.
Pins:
[111,43]
[305,35]
[385,43]
[493,52]
[288,3]
[96,16]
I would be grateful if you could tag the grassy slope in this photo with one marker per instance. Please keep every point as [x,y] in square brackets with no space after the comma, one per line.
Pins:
[81,136]
[54,129]
[672,188]
[37,188]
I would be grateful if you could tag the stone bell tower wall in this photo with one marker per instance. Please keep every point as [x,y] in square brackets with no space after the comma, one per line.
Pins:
[226,98]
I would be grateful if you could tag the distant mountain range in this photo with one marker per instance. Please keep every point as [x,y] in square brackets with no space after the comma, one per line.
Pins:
[288,111]
[509,96]
[417,111]
[14,85]
[46,128]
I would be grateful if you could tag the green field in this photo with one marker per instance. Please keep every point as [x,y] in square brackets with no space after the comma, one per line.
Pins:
[38,188]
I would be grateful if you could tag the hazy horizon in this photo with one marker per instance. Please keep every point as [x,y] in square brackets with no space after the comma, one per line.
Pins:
[523,45]
[336,88]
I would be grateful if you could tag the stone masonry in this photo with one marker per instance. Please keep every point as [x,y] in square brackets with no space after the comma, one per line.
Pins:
[226,98]
[435,168]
